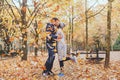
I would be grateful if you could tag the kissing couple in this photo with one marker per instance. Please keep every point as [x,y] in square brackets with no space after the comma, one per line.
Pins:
[56,43]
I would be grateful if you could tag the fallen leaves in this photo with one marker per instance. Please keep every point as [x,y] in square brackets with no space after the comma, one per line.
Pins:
[15,69]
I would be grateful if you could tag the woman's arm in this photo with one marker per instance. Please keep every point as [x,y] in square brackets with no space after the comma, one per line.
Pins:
[60,35]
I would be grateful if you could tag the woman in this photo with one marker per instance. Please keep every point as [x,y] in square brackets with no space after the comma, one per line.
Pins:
[61,47]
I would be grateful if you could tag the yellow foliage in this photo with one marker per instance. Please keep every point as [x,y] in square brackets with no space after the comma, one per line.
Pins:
[32,41]
[40,25]
[43,35]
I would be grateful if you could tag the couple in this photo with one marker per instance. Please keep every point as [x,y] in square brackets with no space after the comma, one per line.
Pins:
[55,42]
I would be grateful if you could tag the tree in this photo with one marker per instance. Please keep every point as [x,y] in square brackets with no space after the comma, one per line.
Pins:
[25,20]
[108,37]
[24,29]
[7,32]
[87,17]
[86,25]
[36,38]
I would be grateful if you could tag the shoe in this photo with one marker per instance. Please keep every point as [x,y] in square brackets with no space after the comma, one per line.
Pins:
[74,58]
[44,73]
[61,74]
[50,73]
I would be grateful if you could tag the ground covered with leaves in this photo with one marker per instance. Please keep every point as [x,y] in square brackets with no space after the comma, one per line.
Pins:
[15,69]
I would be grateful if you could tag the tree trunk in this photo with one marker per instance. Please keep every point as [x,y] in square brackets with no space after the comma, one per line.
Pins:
[69,36]
[108,39]
[24,30]
[24,45]
[36,38]
[86,25]
[36,47]
[72,26]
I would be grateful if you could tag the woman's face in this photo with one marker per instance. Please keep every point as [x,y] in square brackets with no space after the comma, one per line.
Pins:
[57,23]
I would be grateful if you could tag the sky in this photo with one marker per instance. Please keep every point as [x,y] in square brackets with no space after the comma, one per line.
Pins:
[99,1]
[90,2]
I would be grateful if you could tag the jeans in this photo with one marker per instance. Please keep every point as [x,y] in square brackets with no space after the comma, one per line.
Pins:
[50,60]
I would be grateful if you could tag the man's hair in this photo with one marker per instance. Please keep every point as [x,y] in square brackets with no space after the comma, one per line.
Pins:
[55,19]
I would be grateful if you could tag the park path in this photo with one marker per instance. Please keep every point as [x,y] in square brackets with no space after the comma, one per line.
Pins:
[114,56]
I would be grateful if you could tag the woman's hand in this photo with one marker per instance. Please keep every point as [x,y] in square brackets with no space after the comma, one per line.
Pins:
[59,37]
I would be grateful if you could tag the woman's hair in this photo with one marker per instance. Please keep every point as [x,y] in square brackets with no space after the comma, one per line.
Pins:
[55,19]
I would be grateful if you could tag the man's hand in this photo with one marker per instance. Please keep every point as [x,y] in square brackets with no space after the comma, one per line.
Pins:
[49,37]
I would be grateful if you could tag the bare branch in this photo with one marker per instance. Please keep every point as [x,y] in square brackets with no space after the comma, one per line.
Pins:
[11,9]
[9,13]
[20,3]
[16,7]
[29,11]
[36,11]
[92,6]
[33,32]
[97,12]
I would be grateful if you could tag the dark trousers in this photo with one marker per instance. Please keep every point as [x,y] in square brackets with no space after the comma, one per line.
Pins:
[61,63]
[50,60]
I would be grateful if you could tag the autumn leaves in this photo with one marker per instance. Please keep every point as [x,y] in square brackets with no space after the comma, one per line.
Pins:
[14,69]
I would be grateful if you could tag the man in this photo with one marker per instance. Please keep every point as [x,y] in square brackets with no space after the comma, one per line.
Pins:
[50,43]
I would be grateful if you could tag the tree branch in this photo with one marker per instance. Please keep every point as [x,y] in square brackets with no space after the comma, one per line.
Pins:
[16,7]
[97,13]
[11,9]
[91,6]
[9,13]
[29,11]
[35,15]
[35,9]
[19,3]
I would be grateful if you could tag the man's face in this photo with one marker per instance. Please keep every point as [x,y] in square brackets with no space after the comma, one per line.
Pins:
[53,22]
[56,23]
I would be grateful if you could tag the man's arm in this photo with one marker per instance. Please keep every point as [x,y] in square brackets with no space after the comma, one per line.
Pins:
[56,37]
